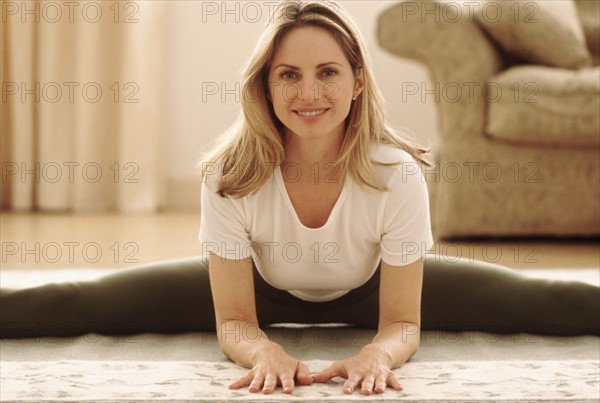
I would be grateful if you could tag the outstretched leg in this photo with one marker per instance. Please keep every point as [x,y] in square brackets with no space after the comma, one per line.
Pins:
[170,296]
[166,297]
[474,295]
[175,296]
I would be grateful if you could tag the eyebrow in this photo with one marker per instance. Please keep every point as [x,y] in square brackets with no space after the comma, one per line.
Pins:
[298,68]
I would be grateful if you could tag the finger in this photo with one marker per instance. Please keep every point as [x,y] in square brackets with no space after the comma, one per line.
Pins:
[256,383]
[270,384]
[243,381]
[380,384]
[330,372]
[367,385]
[287,383]
[303,374]
[394,382]
[350,385]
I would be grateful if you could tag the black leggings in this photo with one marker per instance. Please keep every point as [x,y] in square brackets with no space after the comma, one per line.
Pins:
[175,296]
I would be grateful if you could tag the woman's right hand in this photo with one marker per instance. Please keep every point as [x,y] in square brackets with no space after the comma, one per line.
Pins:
[272,367]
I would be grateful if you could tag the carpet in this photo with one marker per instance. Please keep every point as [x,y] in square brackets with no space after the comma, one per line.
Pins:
[448,367]
[186,381]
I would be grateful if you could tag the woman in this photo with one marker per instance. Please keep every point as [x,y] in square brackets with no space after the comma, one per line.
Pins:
[313,211]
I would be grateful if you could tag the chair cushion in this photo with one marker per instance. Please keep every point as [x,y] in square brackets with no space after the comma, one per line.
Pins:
[541,105]
[541,31]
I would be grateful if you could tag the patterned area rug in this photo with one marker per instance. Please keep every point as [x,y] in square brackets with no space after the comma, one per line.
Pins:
[494,380]
[186,381]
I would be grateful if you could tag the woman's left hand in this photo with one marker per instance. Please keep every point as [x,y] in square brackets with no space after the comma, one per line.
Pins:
[369,370]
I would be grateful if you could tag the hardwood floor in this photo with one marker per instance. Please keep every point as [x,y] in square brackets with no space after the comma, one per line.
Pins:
[115,240]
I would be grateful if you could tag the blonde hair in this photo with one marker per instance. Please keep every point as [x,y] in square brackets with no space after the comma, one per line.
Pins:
[253,146]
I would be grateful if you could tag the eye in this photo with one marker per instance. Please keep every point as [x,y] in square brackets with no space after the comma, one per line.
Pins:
[287,74]
[329,72]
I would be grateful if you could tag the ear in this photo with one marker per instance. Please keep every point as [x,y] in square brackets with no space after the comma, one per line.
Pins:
[358,83]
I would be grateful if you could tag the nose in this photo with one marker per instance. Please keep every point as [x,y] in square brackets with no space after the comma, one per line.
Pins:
[310,90]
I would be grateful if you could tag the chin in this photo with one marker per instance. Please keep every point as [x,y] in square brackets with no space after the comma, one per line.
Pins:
[322,129]
[311,133]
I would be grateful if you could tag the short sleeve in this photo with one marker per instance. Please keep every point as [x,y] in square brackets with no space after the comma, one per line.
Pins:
[222,224]
[406,229]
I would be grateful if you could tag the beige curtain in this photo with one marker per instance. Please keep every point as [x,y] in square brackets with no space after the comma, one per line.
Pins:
[82,84]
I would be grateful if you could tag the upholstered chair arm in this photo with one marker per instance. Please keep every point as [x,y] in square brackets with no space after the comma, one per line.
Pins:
[460,59]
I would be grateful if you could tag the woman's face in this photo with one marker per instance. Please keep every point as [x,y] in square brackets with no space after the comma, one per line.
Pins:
[311,83]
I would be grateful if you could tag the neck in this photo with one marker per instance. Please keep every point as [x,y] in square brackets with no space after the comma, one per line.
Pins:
[305,152]
[314,158]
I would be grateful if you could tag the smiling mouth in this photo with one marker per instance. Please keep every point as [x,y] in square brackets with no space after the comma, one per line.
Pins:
[312,113]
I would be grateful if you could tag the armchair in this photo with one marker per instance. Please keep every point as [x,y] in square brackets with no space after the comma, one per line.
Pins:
[518,153]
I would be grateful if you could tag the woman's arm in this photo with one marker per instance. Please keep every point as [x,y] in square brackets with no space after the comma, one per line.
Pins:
[398,333]
[240,336]
[397,337]
[232,287]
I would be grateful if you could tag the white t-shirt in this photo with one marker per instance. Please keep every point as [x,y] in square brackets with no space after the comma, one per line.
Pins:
[321,264]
